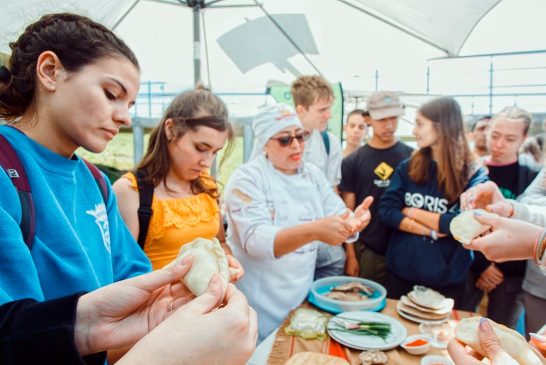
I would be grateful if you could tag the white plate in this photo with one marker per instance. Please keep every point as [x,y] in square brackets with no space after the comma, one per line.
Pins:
[409,317]
[360,342]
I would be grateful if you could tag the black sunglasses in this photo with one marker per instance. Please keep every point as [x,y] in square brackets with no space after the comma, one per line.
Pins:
[287,140]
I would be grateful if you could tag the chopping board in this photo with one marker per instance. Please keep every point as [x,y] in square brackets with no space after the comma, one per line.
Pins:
[315,358]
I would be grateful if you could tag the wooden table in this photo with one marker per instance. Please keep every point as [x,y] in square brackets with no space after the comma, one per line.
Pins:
[285,346]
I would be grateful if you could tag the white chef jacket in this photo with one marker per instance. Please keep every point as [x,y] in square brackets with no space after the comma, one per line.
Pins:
[260,201]
[328,163]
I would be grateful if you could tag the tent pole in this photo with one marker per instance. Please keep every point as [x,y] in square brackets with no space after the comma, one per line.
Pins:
[196,42]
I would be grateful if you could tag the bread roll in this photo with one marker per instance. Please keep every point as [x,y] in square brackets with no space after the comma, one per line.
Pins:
[465,227]
[511,341]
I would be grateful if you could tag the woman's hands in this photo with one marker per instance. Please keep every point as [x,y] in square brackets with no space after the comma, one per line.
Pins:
[236,270]
[120,314]
[510,239]
[490,344]
[200,333]
[361,216]
[486,196]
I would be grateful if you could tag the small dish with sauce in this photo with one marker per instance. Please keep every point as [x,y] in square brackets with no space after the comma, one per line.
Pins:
[416,344]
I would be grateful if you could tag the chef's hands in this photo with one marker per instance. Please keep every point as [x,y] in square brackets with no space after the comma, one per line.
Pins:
[361,216]
[337,229]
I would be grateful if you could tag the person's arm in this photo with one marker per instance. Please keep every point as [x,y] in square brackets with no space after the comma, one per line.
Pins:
[352,266]
[236,270]
[392,202]
[335,158]
[42,333]
[128,204]
[128,259]
[349,199]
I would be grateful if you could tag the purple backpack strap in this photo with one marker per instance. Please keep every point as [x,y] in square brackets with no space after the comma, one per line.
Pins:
[99,178]
[14,169]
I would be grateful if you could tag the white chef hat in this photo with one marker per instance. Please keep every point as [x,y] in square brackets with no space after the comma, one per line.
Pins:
[270,120]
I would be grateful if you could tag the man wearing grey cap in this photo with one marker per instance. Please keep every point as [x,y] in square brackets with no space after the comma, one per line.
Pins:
[367,172]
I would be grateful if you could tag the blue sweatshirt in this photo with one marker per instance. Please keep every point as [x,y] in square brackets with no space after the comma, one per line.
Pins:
[417,258]
[81,242]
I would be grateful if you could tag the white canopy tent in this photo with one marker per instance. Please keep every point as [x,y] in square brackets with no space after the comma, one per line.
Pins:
[241,44]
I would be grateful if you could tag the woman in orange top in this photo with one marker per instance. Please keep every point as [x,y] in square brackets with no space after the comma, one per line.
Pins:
[181,149]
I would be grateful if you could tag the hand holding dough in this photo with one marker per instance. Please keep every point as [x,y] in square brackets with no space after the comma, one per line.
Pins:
[511,341]
[465,227]
[208,259]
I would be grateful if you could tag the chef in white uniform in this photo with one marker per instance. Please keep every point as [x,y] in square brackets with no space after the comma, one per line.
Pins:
[278,209]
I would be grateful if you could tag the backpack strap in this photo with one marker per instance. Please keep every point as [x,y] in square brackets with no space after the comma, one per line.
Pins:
[14,169]
[99,178]
[326,141]
[145,211]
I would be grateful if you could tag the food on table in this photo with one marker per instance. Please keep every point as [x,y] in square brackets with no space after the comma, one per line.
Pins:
[373,357]
[416,343]
[465,227]
[314,358]
[354,326]
[307,323]
[354,286]
[511,341]
[346,296]
[428,298]
[423,304]
[209,258]
[350,292]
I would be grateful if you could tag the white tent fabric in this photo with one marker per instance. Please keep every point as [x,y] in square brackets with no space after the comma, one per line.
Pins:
[245,46]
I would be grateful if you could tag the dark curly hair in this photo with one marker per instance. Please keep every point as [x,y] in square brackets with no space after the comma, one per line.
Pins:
[75,39]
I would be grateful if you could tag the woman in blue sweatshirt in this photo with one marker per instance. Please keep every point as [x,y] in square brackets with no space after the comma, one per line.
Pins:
[70,83]
[423,198]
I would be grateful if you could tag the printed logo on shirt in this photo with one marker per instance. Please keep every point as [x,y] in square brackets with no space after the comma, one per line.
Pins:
[430,203]
[101,220]
[384,171]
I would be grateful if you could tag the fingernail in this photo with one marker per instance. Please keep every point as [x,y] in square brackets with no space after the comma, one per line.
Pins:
[478,213]
[485,326]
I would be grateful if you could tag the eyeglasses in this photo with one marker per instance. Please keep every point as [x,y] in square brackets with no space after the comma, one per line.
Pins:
[285,141]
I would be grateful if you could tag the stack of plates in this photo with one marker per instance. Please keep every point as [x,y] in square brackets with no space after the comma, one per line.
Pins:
[424,305]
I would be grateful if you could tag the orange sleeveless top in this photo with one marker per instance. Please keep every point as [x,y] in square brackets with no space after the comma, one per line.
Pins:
[178,221]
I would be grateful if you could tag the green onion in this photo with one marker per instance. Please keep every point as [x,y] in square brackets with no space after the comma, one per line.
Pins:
[349,325]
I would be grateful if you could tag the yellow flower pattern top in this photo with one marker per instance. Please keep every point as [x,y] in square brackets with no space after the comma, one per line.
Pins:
[178,221]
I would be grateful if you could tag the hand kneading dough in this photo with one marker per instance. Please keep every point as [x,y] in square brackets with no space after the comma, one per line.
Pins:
[208,258]
[465,227]
[511,341]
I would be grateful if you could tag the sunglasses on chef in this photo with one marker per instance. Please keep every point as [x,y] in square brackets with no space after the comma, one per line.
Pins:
[287,140]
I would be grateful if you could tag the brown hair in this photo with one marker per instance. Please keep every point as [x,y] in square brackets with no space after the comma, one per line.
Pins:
[306,90]
[182,111]
[513,113]
[455,161]
[75,39]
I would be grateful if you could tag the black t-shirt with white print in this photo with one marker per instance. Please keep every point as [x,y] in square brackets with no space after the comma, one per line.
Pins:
[365,172]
